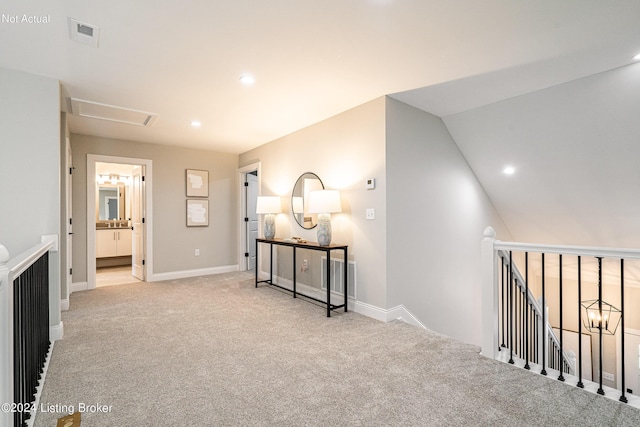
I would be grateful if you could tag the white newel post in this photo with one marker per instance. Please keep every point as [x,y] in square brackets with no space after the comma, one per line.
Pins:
[489,272]
[6,339]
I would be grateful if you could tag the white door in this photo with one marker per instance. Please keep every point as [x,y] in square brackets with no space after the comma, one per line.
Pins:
[69,183]
[138,223]
[632,362]
[251,195]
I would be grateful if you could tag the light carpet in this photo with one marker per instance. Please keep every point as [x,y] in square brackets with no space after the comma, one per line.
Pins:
[215,351]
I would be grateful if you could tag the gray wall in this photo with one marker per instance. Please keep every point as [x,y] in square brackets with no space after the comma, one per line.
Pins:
[29,165]
[436,214]
[343,151]
[173,241]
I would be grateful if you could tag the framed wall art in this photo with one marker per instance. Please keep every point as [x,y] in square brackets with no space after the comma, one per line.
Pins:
[197,183]
[197,213]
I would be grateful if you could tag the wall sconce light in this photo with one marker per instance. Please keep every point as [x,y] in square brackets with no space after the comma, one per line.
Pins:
[269,205]
[324,203]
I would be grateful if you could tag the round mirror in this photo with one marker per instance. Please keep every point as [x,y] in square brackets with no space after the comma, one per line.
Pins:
[307,183]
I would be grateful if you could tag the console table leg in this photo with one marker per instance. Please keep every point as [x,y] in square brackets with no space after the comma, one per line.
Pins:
[294,272]
[328,283]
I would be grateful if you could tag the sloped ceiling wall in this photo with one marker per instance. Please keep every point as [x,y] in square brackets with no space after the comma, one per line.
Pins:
[576,150]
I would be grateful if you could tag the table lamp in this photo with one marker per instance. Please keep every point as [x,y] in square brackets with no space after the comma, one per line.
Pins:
[324,203]
[269,205]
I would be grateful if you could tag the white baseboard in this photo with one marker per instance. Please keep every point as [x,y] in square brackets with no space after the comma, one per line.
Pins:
[399,312]
[43,376]
[56,332]
[64,304]
[79,286]
[173,275]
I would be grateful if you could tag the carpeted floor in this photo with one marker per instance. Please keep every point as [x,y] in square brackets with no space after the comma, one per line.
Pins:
[215,351]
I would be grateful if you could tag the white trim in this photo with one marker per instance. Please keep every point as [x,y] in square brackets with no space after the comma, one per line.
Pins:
[78,286]
[173,275]
[569,250]
[56,332]
[91,211]
[64,304]
[400,312]
[242,231]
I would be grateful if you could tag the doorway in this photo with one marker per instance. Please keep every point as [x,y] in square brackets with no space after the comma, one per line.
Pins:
[249,191]
[118,245]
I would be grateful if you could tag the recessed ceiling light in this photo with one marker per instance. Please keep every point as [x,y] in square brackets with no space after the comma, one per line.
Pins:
[637,57]
[509,170]
[195,123]
[247,79]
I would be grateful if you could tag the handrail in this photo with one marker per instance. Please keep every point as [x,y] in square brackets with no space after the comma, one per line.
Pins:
[18,264]
[569,250]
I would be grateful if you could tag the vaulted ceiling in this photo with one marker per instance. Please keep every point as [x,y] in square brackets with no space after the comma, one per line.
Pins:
[549,86]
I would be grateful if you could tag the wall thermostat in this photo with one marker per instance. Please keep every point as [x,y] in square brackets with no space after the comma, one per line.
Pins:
[370,184]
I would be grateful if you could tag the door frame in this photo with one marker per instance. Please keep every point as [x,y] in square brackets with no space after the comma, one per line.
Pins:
[92,159]
[242,206]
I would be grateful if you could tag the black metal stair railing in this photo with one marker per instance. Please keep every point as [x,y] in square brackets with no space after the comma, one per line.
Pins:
[524,328]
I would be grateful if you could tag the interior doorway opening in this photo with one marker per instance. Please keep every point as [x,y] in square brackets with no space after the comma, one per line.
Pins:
[118,214]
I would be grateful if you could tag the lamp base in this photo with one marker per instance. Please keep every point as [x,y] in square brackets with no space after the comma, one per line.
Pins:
[324,229]
[269,226]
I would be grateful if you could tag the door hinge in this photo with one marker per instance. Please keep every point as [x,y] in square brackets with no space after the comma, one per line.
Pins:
[71,272]
[143,220]
[246,184]
[246,254]
[142,178]
[142,262]
[246,219]
[71,171]
[70,221]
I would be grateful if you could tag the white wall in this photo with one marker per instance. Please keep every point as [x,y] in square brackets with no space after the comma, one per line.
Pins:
[30,165]
[343,151]
[173,242]
[436,213]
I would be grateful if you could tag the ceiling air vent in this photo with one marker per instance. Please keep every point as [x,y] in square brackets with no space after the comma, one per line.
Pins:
[96,110]
[84,33]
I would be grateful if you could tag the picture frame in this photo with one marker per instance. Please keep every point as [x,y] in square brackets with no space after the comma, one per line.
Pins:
[197,212]
[197,182]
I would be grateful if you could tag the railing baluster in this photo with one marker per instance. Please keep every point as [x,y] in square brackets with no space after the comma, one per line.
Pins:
[544,321]
[600,389]
[561,376]
[528,310]
[511,307]
[580,383]
[503,301]
[623,398]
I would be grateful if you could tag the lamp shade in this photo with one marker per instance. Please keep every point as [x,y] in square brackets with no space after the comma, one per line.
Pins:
[324,201]
[268,205]
[298,205]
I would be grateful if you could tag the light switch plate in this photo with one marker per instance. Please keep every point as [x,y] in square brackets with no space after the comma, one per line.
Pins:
[371,213]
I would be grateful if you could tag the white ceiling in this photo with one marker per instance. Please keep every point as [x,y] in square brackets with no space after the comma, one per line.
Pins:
[494,70]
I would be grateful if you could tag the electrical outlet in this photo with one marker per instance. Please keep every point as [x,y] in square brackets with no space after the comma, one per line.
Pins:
[197,252]
[371,213]
[607,376]
[305,265]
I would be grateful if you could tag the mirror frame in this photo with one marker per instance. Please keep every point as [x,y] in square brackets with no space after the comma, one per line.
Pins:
[299,189]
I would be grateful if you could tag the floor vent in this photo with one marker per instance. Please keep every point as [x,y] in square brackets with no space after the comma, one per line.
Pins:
[337,276]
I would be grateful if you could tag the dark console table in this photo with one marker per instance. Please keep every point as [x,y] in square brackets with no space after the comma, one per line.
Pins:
[315,247]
